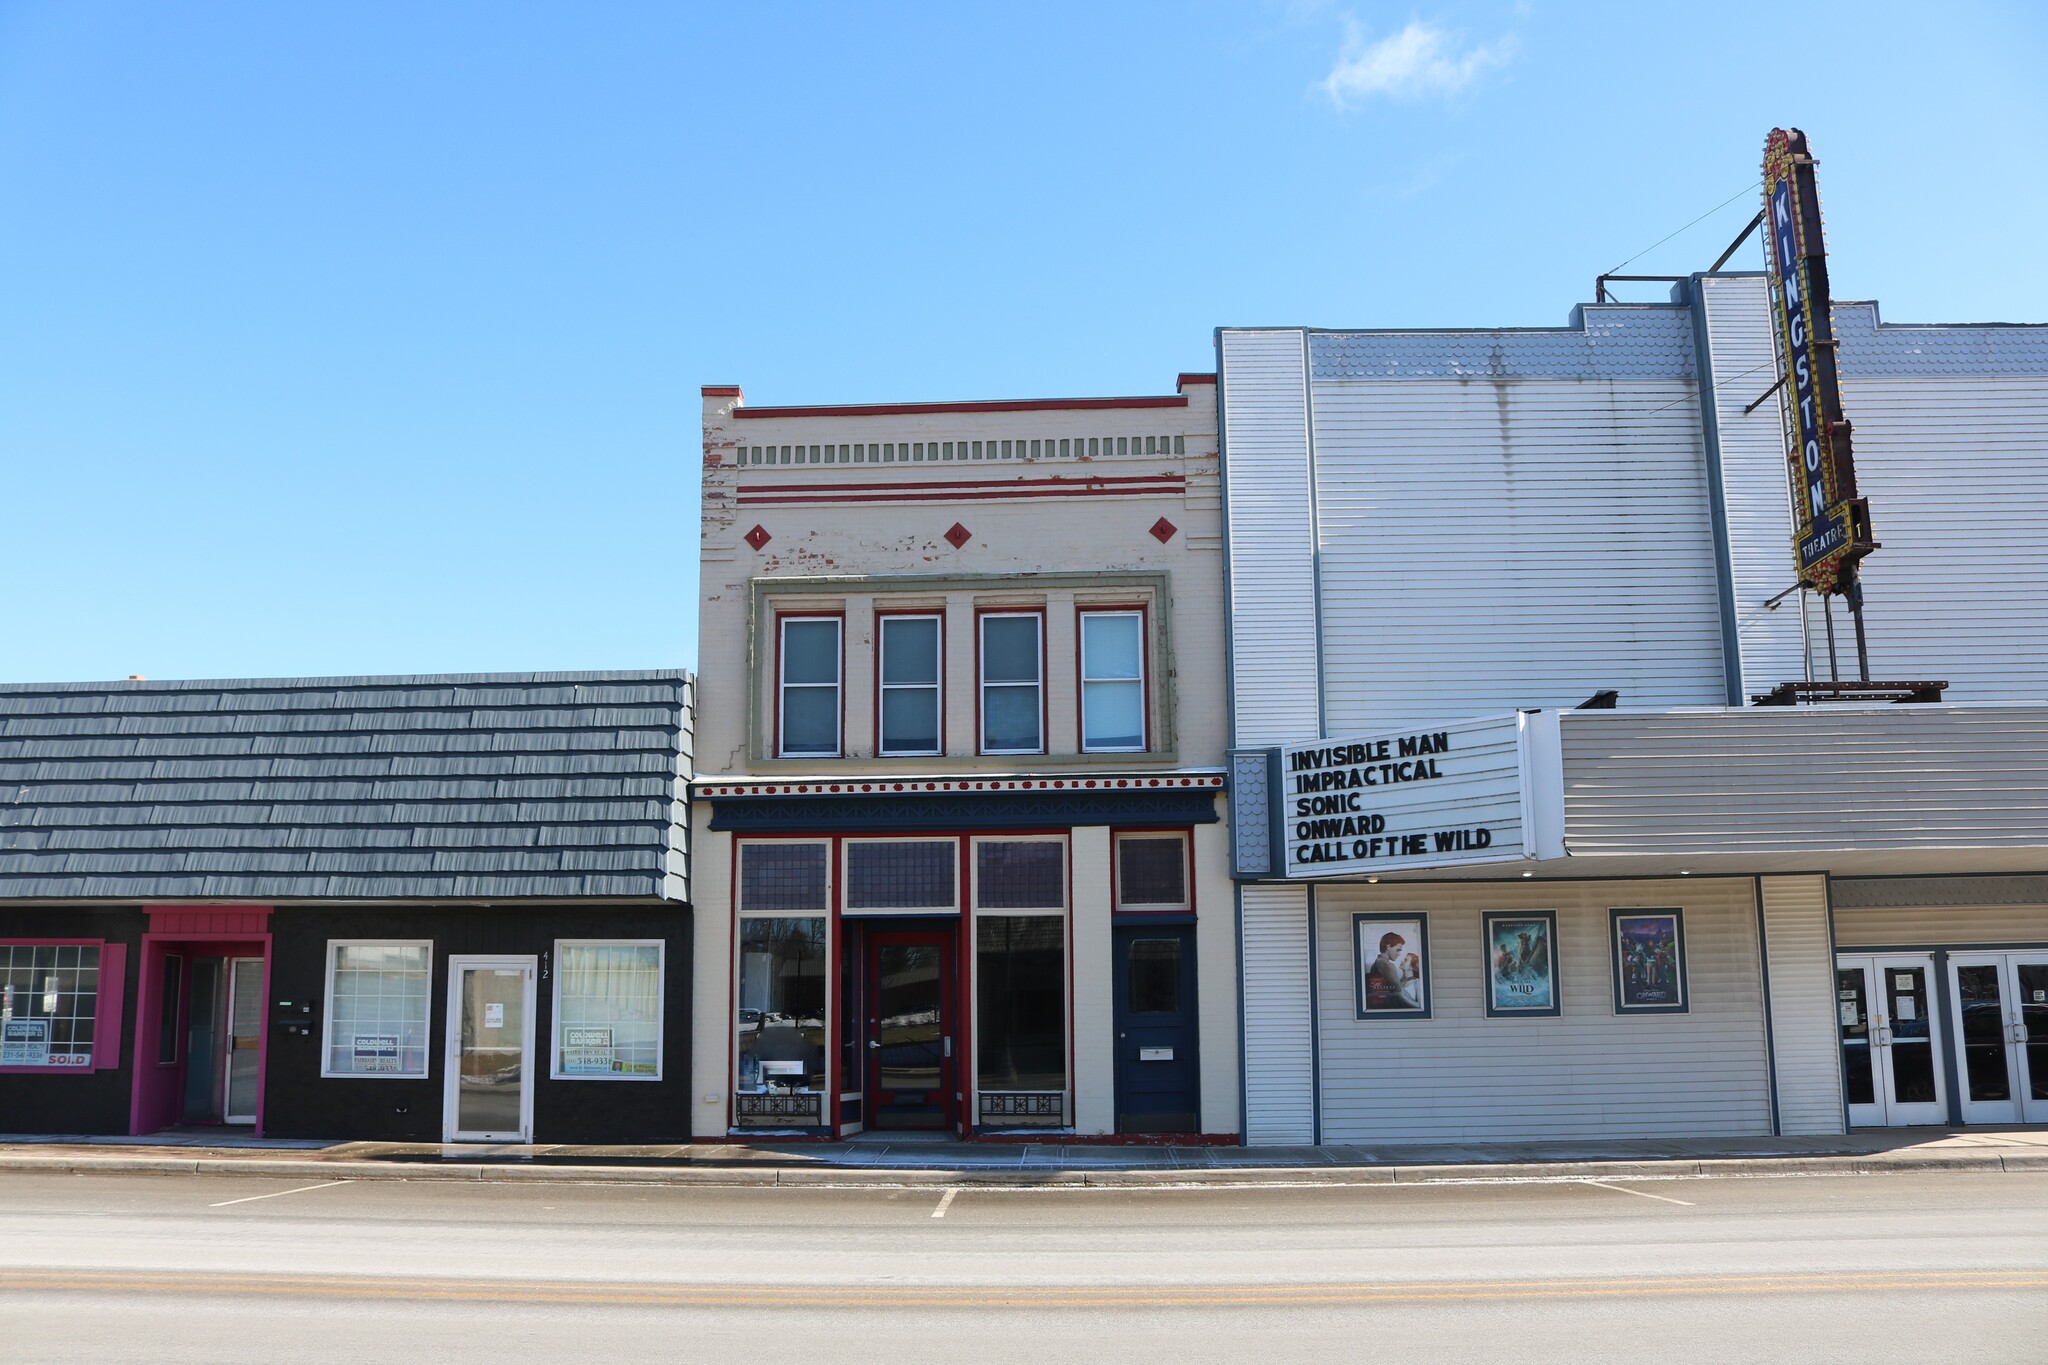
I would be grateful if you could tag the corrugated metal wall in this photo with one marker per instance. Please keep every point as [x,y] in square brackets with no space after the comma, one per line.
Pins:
[1802,972]
[1278,1057]
[1497,542]
[1272,551]
[1586,1073]
[1786,779]
[1754,495]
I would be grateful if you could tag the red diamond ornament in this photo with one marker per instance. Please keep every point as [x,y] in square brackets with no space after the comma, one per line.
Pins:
[1162,530]
[958,535]
[758,537]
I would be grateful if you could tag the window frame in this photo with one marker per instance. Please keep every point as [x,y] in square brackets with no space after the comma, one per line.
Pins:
[827,912]
[982,684]
[782,622]
[660,946]
[426,1070]
[882,686]
[109,998]
[1144,679]
[1118,905]
[848,910]
[971,929]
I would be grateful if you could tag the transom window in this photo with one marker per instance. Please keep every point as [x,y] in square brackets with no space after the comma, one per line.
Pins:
[1013,682]
[777,875]
[916,876]
[1152,872]
[1020,874]
[1112,681]
[910,672]
[808,687]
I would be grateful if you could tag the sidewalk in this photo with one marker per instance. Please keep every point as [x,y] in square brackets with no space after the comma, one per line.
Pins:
[883,1160]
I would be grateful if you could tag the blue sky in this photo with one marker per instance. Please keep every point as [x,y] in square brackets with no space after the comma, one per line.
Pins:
[345,339]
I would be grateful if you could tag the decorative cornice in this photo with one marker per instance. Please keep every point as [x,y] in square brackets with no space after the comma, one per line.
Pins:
[956,811]
[728,788]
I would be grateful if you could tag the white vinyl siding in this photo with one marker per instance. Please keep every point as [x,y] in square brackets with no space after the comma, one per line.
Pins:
[1271,529]
[1461,1076]
[1947,926]
[1488,544]
[1803,1038]
[1278,1050]
[1753,482]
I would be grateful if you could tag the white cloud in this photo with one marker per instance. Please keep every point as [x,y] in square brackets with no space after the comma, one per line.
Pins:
[1423,59]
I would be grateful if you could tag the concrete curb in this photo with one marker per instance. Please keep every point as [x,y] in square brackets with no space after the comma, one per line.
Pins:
[1190,1177]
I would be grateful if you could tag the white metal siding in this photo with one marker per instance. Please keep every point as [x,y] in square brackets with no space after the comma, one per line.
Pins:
[1947,926]
[1278,1062]
[1806,779]
[1956,471]
[1802,971]
[1753,481]
[1271,525]
[1496,543]
[1587,1073]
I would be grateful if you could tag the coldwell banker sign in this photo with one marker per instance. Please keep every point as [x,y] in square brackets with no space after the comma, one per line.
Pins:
[1436,797]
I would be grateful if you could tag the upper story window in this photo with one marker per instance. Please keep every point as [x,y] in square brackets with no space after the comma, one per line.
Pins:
[1013,682]
[807,688]
[1112,681]
[909,706]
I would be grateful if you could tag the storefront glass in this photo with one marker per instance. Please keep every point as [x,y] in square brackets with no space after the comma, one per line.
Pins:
[1021,1014]
[781,1023]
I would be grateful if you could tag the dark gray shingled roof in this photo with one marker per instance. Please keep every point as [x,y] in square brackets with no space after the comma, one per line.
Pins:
[473,786]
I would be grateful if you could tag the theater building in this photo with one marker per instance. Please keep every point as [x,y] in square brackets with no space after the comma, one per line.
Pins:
[409,908]
[1517,854]
[959,864]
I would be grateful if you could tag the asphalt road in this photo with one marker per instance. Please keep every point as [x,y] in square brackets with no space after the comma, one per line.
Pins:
[1936,1267]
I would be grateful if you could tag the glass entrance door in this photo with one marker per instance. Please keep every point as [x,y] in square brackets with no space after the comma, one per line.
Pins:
[910,1065]
[244,1040]
[2001,1021]
[1891,1065]
[489,1095]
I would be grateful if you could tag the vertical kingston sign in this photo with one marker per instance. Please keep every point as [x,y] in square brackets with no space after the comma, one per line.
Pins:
[1831,525]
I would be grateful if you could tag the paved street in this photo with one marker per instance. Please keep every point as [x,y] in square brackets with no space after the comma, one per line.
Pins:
[1940,1266]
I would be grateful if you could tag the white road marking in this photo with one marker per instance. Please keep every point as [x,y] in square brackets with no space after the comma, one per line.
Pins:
[1640,1194]
[945,1201]
[275,1193]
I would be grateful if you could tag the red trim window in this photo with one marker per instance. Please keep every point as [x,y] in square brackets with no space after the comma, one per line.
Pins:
[1113,693]
[809,707]
[1154,872]
[1010,659]
[910,650]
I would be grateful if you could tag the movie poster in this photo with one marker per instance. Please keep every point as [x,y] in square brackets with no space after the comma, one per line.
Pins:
[1649,961]
[1393,966]
[1521,962]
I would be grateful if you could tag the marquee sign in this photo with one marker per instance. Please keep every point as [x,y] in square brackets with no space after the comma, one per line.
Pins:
[1438,797]
[1831,525]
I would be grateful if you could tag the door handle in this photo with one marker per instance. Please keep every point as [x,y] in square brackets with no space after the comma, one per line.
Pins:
[2018,1034]
[948,1041]
[874,1042]
[1882,1036]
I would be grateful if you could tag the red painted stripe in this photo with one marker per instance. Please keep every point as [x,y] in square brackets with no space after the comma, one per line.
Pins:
[963,495]
[998,405]
[1056,480]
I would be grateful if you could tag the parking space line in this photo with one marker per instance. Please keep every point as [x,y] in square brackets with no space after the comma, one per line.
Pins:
[1640,1194]
[276,1194]
[945,1202]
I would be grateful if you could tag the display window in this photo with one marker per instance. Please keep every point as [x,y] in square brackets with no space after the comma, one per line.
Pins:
[608,1010]
[50,1005]
[377,1016]
[1020,971]
[781,979]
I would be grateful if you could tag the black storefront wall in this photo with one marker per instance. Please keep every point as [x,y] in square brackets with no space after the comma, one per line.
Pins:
[95,1102]
[300,1103]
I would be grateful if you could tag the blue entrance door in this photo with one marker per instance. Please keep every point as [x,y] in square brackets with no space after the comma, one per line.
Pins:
[1158,1073]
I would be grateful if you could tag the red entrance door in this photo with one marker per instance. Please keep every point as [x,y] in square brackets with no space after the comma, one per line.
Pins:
[911,1063]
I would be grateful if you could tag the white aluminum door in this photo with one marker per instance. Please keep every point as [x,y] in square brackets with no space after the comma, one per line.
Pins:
[489,1086]
[2000,1014]
[1891,1040]
[243,1040]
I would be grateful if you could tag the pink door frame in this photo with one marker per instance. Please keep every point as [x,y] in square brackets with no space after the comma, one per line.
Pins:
[156,1101]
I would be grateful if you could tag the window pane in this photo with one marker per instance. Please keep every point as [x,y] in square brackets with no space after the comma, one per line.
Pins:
[1151,871]
[1009,649]
[910,649]
[901,876]
[779,876]
[48,999]
[810,651]
[1154,977]
[1020,874]
[377,1009]
[609,1020]
[910,720]
[781,1015]
[810,720]
[1009,719]
[1021,1013]
[1110,646]
[1113,715]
